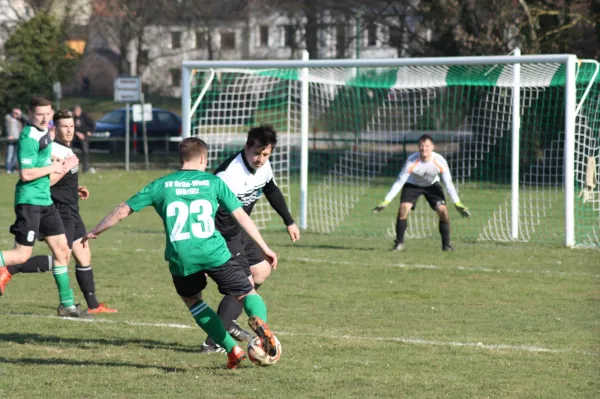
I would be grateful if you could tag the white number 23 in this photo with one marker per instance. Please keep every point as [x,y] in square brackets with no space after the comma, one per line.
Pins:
[203,227]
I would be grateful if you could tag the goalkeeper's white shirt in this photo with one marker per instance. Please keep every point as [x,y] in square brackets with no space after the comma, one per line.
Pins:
[424,174]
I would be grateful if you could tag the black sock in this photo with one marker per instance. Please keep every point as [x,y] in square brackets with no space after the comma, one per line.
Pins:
[85,279]
[400,230]
[35,264]
[229,311]
[445,232]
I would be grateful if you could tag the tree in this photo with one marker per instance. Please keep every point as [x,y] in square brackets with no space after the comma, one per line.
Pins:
[36,56]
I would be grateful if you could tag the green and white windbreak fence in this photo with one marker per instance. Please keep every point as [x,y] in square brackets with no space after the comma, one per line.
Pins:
[521,135]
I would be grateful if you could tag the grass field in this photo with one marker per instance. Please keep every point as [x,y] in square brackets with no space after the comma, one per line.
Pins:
[355,320]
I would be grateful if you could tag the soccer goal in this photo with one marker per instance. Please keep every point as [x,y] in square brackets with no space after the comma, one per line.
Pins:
[521,135]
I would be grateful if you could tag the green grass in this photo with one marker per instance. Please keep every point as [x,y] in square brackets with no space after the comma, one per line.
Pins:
[355,320]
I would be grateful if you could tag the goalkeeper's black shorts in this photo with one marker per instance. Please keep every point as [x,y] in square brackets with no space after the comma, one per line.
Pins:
[434,194]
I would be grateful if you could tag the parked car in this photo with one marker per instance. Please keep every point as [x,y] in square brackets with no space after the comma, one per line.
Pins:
[164,124]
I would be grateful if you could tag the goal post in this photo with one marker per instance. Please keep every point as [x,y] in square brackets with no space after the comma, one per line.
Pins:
[519,133]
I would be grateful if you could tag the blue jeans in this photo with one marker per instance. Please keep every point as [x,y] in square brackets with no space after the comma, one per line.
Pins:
[11,157]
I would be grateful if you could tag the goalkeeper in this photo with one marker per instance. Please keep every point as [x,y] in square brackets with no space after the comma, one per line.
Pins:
[421,176]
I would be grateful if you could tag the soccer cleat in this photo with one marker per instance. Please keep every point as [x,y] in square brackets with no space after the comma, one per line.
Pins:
[211,348]
[235,357]
[72,311]
[5,277]
[266,335]
[102,308]
[398,246]
[448,248]
[239,334]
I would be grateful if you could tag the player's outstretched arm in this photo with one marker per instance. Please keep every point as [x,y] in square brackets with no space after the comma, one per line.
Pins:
[277,201]
[110,220]
[247,224]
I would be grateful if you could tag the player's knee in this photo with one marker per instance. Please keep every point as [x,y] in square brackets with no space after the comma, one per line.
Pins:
[62,255]
[442,211]
[191,300]
[260,272]
[403,212]
[240,298]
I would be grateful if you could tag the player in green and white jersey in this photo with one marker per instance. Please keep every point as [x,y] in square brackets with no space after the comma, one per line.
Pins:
[35,212]
[187,201]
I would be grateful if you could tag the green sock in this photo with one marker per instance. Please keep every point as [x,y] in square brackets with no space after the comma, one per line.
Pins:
[255,306]
[210,322]
[65,293]
[1,259]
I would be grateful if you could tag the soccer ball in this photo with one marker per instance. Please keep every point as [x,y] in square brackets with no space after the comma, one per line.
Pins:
[258,356]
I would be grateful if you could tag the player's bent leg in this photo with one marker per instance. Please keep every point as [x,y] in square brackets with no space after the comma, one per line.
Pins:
[85,278]
[210,322]
[444,226]
[401,225]
[260,272]
[230,309]
[19,254]
[16,256]
[60,249]
[190,289]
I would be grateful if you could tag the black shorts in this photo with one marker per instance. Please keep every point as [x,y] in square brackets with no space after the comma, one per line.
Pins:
[434,194]
[230,279]
[71,220]
[74,227]
[35,220]
[245,251]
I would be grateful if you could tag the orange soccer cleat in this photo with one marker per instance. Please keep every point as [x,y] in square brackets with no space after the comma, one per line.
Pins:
[102,308]
[5,277]
[235,357]
[266,335]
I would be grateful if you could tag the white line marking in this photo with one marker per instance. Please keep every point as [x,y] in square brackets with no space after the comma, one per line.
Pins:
[462,268]
[404,340]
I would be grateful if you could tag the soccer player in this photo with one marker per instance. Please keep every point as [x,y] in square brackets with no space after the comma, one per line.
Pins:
[248,174]
[421,176]
[187,201]
[35,212]
[66,192]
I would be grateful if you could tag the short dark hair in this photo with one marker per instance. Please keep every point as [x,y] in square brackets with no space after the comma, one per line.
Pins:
[191,148]
[263,135]
[38,101]
[426,137]
[62,114]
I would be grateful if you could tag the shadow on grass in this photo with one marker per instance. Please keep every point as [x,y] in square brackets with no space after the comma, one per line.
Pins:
[328,246]
[85,343]
[67,362]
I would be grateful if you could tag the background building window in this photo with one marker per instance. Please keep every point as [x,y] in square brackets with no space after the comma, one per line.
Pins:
[175,39]
[227,40]
[200,40]
[372,34]
[176,77]
[341,40]
[143,58]
[288,38]
[264,35]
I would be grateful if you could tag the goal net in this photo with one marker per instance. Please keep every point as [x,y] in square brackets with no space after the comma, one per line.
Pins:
[363,122]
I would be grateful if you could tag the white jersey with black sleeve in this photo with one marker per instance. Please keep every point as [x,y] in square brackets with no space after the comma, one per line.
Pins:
[248,185]
[424,174]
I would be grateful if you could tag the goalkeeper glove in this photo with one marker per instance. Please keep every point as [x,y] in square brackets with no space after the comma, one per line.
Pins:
[463,210]
[381,206]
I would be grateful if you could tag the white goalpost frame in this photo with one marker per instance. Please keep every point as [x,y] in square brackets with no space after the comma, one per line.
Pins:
[516,136]
[569,60]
